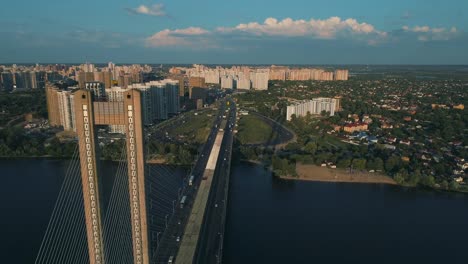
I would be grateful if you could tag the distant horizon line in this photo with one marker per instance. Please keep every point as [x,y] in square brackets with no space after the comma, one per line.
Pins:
[254,64]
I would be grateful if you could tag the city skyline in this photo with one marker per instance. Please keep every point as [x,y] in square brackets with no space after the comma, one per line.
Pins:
[241,32]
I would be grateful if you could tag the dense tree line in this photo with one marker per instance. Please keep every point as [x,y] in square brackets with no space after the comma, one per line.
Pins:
[14,142]
[19,103]
[173,153]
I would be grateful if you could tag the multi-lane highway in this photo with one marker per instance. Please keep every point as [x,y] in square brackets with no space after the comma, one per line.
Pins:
[209,247]
[169,241]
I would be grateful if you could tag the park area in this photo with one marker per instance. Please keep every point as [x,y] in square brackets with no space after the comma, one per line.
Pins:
[253,130]
[193,128]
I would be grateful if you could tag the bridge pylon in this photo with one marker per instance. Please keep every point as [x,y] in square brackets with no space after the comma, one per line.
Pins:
[89,113]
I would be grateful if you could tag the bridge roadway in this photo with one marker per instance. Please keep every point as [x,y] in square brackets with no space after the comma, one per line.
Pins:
[203,237]
[168,240]
[210,243]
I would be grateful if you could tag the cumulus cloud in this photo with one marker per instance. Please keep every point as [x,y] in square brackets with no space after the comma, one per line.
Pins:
[272,29]
[154,10]
[325,29]
[426,33]
[331,28]
[178,37]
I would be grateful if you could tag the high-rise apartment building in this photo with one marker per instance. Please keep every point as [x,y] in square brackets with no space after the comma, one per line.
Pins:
[278,73]
[104,77]
[7,81]
[41,78]
[97,89]
[172,96]
[197,82]
[125,81]
[83,77]
[159,99]
[341,75]
[53,105]
[326,76]
[314,107]
[212,76]
[260,80]
[243,82]
[227,82]
[60,107]
[66,110]
[87,67]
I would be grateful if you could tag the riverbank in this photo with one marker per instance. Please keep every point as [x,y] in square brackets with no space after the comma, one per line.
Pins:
[307,172]
[50,157]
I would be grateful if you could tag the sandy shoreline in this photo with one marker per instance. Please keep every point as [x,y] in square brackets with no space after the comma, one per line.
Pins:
[325,174]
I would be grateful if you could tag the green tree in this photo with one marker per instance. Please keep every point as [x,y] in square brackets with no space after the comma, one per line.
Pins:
[375,164]
[428,180]
[359,164]
[454,185]
[392,163]
[444,185]
[311,147]
[344,163]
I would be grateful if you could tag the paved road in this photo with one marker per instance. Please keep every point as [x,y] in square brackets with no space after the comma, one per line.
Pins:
[209,247]
[169,245]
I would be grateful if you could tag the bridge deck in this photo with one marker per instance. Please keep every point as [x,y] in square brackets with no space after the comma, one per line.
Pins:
[192,230]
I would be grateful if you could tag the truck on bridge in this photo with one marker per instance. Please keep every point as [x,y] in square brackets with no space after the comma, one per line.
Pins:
[190,182]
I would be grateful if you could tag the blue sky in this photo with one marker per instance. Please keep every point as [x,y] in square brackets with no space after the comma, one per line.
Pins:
[241,31]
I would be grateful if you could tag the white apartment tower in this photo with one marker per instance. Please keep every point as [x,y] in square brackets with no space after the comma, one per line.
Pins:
[314,107]
[227,82]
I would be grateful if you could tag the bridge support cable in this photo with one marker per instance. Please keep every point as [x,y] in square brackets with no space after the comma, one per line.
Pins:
[164,177]
[163,187]
[56,220]
[164,199]
[65,231]
[69,228]
[44,247]
[162,190]
[74,231]
[117,223]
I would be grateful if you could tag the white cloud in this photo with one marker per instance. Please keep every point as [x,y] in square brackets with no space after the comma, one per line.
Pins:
[330,28]
[426,33]
[324,29]
[154,10]
[178,37]
[272,29]
[191,31]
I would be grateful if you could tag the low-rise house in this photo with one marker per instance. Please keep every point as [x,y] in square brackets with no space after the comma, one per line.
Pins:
[385,125]
[387,146]
[354,127]
[405,142]
[459,107]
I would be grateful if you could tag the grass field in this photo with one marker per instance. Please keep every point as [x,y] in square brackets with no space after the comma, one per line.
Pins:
[195,129]
[252,130]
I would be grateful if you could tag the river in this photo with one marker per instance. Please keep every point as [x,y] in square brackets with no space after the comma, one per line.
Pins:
[272,221]
[276,221]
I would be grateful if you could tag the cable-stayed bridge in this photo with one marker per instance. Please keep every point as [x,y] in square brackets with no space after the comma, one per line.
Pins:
[150,212]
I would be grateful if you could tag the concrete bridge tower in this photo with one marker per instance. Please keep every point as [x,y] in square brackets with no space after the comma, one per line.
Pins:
[89,113]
